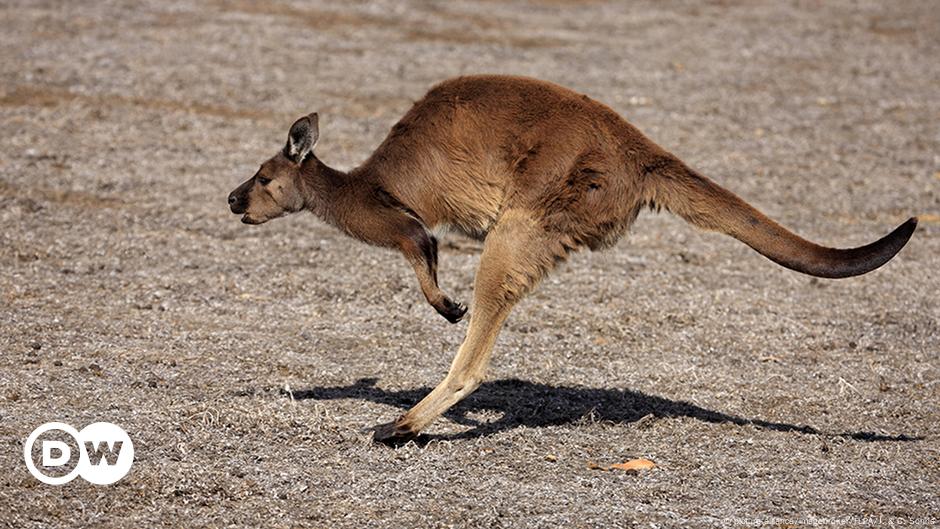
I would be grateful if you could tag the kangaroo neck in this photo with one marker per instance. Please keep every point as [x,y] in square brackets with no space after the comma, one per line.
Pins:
[324,189]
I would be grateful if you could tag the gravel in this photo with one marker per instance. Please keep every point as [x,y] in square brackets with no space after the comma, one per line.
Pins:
[247,363]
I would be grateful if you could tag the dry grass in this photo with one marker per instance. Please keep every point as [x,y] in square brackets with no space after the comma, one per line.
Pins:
[247,363]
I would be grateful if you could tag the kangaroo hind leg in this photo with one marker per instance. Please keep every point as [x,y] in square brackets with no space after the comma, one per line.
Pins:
[517,253]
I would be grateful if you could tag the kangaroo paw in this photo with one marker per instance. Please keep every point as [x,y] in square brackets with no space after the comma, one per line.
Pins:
[451,310]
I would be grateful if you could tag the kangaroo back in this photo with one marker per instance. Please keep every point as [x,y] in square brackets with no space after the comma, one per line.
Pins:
[707,205]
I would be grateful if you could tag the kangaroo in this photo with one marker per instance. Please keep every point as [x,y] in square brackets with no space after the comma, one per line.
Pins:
[534,170]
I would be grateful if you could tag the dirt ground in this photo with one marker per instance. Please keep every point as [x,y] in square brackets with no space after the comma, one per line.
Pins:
[247,363]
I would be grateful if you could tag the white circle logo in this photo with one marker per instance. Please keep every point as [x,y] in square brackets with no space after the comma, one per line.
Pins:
[105,453]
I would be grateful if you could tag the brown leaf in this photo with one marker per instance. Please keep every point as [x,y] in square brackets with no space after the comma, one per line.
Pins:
[634,464]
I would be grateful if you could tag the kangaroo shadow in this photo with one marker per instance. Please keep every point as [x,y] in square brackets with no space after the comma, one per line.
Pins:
[535,405]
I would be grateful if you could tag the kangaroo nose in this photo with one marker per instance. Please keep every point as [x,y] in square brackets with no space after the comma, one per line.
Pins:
[236,204]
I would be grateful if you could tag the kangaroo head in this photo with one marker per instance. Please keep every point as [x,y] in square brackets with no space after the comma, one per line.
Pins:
[278,187]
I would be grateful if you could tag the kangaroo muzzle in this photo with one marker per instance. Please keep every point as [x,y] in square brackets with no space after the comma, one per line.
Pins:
[238,199]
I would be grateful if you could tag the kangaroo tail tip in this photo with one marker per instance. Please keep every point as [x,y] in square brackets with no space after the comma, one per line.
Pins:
[856,261]
[890,245]
[907,229]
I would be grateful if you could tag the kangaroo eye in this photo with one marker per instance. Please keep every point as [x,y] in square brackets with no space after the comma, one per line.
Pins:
[264,181]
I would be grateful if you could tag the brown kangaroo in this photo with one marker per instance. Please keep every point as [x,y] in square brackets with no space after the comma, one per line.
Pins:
[534,170]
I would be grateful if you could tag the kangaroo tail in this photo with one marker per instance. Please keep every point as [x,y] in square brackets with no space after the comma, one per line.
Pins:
[705,204]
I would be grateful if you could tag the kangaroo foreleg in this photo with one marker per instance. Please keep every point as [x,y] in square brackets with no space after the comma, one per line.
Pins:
[420,248]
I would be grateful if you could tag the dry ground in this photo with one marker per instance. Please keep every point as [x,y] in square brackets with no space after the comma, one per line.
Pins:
[245,362]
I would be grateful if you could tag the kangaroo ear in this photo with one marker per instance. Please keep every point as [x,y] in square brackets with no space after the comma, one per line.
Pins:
[302,138]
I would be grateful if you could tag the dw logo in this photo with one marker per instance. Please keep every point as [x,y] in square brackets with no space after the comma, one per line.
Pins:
[101,453]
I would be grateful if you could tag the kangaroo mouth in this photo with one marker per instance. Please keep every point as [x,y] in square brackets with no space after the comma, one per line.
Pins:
[248,220]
